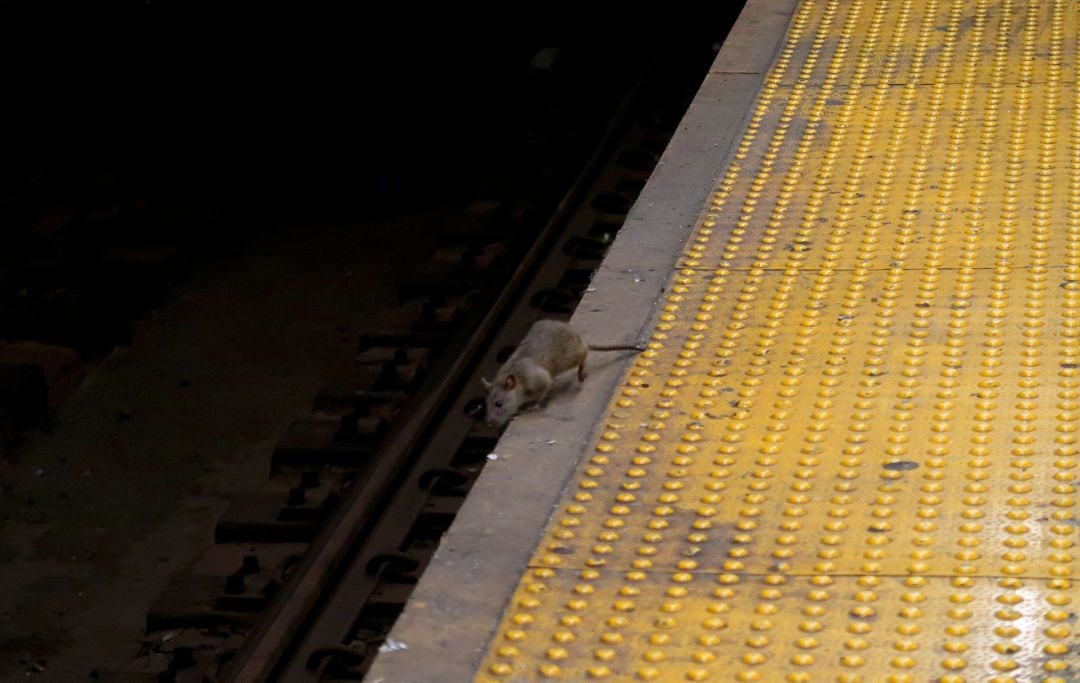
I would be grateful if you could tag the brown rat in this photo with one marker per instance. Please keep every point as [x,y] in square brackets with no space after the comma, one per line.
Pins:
[549,349]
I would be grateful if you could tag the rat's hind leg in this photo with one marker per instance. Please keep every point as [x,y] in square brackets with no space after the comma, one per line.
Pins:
[581,374]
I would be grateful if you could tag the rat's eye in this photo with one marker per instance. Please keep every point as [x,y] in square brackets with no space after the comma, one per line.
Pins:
[498,404]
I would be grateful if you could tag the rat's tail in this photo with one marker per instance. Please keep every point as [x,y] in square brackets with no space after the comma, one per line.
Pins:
[617,347]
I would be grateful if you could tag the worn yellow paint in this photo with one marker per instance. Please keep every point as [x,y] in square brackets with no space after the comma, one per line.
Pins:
[850,453]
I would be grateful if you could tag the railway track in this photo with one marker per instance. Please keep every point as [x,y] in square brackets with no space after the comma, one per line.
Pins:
[308,574]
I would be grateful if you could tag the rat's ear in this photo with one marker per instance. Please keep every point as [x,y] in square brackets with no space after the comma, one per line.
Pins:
[485,382]
[511,382]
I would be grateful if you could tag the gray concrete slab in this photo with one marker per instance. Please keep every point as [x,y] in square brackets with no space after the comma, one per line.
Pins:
[457,605]
[753,42]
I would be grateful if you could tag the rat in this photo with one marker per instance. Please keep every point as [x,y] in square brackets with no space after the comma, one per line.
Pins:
[549,349]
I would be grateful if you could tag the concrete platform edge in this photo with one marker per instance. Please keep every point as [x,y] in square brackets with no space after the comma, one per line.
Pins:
[452,614]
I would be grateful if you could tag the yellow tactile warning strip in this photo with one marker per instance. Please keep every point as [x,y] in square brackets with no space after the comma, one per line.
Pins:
[850,453]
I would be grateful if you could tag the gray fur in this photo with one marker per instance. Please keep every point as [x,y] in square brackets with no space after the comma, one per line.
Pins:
[549,349]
